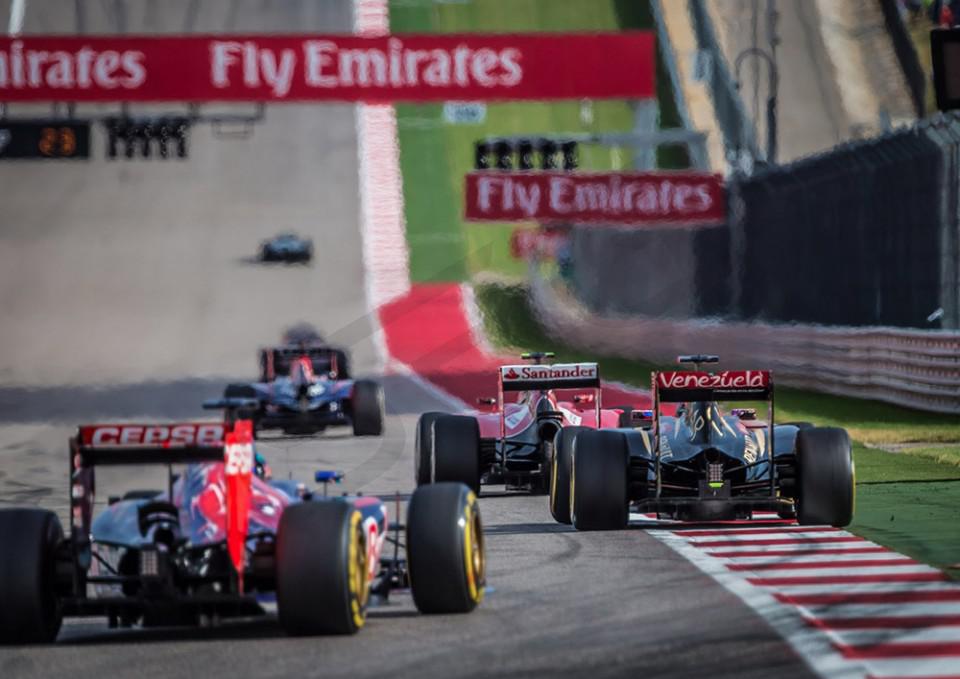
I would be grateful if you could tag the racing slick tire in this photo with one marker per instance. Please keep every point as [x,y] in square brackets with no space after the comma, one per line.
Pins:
[456,450]
[366,408]
[322,572]
[825,477]
[798,425]
[30,610]
[598,481]
[423,448]
[560,473]
[446,559]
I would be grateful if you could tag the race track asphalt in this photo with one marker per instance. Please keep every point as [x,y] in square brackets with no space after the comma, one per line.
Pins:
[126,291]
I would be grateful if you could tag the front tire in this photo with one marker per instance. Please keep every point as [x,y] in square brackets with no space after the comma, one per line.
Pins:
[560,473]
[446,557]
[598,482]
[322,571]
[825,477]
[423,448]
[367,408]
[30,610]
[456,450]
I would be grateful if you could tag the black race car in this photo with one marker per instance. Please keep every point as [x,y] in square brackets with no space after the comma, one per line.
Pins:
[286,247]
[705,464]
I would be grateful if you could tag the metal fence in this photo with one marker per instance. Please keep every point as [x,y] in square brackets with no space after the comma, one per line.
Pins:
[738,132]
[863,235]
[867,234]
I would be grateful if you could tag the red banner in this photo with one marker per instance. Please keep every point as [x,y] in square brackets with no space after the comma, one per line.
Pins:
[328,68]
[537,243]
[642,198]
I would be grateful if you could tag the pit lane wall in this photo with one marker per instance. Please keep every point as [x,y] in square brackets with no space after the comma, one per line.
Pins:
[918,369]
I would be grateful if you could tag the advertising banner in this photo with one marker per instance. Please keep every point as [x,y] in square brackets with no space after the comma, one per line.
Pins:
[278,68]
[637,198]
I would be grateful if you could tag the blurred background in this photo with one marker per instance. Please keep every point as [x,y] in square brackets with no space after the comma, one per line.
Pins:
[132,283]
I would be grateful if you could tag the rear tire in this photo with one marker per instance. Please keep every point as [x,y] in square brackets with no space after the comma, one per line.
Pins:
[367,409]
[598,482]
[560,473]
[322,571]
[445,551]
[30,612]
[423,448]
[456,450]
[825,477]
[343,364]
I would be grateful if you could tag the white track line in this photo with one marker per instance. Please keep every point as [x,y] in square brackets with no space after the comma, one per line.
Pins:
[18,9]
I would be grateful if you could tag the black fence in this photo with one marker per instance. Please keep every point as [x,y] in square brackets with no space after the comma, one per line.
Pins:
[851,237]
[867,234]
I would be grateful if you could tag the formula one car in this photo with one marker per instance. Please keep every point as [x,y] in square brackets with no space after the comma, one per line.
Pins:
[310,397]
[286,247]
[221,542]
[514,444]
[705,464]
[297,341]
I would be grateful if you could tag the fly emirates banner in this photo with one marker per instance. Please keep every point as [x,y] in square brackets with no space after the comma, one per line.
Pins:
[327,67]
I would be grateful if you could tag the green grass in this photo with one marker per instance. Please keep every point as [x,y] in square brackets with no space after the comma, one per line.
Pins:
[435,156]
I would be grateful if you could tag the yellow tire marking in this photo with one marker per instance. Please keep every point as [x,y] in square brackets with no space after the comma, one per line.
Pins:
[357,581]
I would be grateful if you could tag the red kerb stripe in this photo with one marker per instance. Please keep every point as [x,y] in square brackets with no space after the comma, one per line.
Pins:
[733,554]
[757,531]
[793,565]
[931,576]
[778,541]
[886,622]
[919,649]
[902,597]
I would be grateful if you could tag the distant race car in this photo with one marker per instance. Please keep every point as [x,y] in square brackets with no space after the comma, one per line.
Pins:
[286,247]
[705,464]
[297,341]
[221,542]
[302,390]
[515,443]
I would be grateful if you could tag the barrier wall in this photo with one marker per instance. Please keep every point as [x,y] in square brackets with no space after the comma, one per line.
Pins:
[918,369]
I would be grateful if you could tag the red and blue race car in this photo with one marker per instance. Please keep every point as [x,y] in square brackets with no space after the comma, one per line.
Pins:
[222,542]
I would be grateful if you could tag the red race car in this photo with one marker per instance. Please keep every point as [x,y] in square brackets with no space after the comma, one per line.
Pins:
[537,410]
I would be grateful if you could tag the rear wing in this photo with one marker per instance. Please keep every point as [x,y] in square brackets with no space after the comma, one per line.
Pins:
[557,376]
[674,386]
[276,361]
[119,444]
[541,376]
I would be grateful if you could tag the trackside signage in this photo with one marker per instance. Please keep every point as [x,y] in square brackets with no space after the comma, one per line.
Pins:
[699,386]
[473,67]
[639,198]
[558,376]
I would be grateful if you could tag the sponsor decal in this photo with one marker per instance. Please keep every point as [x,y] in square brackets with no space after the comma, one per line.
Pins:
[156,435]
[474,67]
[238,471]
[557,372]
[679,198]
[728,380]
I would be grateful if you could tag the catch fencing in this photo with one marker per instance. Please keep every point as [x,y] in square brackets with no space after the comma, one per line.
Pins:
[918,369]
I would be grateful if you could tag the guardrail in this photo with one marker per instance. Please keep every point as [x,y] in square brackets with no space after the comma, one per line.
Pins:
[914,368]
